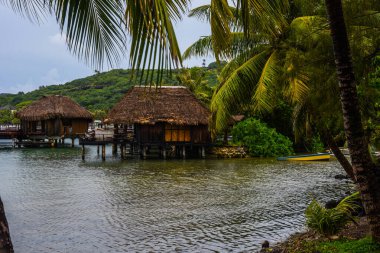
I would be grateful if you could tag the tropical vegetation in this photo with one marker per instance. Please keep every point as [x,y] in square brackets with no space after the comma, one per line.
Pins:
[261,140]
[273,48]
[328,222]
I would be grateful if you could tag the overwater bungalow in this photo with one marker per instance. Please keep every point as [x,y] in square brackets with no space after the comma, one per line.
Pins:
[53,117]
[169,118]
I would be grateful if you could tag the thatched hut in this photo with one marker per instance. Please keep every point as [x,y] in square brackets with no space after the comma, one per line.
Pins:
[54,117]
[168,115]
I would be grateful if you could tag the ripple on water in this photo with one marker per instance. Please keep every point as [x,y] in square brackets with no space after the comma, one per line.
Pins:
[57,203]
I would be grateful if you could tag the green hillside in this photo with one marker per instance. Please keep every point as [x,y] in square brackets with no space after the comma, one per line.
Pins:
[97,92]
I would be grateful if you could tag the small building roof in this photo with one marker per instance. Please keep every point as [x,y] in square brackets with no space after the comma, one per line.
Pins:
[150,105]
[50,107]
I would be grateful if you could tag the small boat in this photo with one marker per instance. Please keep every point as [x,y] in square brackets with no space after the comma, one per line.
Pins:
[307,157]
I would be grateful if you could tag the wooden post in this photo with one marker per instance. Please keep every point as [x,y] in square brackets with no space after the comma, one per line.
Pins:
[83,153]
[163,152]
[103,152]
[183,152]
[72,142]
[131,148]
[97,151]
[144,152]
[122,151]
[114,149]
[203,152]
[55,143]
[63,140]
[5,238]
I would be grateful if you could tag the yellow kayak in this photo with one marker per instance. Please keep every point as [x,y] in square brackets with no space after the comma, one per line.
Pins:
[307,157]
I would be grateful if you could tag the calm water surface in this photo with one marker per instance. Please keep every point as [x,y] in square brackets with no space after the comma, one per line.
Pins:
[57,203]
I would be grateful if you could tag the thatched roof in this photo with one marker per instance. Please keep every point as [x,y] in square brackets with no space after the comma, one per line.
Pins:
[49,107]
[170,104]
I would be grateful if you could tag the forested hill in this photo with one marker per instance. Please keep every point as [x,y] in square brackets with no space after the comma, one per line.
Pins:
[97,92]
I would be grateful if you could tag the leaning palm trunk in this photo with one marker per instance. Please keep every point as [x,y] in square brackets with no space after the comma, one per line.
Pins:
[366,173]
[5,239]
[339,155]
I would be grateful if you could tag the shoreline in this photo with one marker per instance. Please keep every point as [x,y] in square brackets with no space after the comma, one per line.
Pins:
[300,241]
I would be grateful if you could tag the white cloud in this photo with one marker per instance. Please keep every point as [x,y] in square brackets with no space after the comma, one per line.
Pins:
[58,39]
[51,77]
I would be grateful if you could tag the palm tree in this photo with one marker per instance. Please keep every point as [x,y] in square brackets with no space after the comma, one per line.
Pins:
[5,239]
[195,79]
[366,173]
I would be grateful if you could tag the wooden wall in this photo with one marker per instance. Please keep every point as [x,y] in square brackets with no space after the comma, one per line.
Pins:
[55,127]
[167,133]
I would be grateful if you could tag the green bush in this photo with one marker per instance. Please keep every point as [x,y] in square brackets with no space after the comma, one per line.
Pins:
[316,144]
[260,139]
[328,222]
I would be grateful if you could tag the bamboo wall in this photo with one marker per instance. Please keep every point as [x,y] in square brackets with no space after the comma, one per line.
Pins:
[167,133]
[55,127]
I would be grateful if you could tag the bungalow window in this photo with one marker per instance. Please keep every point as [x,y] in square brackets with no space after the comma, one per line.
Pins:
[175,133]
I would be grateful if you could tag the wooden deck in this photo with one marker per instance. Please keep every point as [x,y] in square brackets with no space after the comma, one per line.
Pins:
[10,134]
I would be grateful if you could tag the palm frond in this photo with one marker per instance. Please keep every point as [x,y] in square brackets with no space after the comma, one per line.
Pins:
[93,29]
[33,10]
[262,99]
[154,44]
[237,89]
[258,15]
[220,26]
[201,47]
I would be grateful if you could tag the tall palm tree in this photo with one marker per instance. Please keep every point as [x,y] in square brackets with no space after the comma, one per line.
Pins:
[5,239]
[366,173]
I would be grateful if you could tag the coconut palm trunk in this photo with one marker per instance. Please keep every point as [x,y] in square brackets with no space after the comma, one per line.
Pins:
[339,155]
[5,239]
[366,173]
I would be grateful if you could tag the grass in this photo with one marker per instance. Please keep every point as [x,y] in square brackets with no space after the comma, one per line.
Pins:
[365,245]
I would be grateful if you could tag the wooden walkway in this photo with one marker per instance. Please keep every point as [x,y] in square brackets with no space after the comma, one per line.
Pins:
[10,134]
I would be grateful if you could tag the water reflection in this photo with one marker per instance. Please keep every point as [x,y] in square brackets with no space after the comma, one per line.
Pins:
[57,203]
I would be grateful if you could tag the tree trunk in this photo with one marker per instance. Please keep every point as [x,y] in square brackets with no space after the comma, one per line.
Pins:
[366,173]
[339,155]
[5,239]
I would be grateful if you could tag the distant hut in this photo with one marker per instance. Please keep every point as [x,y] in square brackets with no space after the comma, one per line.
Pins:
[54,117]
[168,116]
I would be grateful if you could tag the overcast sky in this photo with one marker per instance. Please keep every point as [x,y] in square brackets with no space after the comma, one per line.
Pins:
[32,55]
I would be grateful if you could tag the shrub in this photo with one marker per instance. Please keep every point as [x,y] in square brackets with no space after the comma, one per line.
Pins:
[316,144]
[260,139]
[330,221]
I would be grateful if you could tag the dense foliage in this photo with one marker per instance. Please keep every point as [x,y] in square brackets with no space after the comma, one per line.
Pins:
[260,139]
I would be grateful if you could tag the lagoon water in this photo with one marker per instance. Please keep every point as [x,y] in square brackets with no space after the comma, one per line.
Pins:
[55,202]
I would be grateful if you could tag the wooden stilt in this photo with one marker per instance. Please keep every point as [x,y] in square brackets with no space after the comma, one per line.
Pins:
[83,152]
[131,148]
[72,142]
[114,149]
[103,152]
[122,151]
[63,141]
[203,152]
[55,143]
[164,152]
[98,151]
[144,151]
[183,152]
